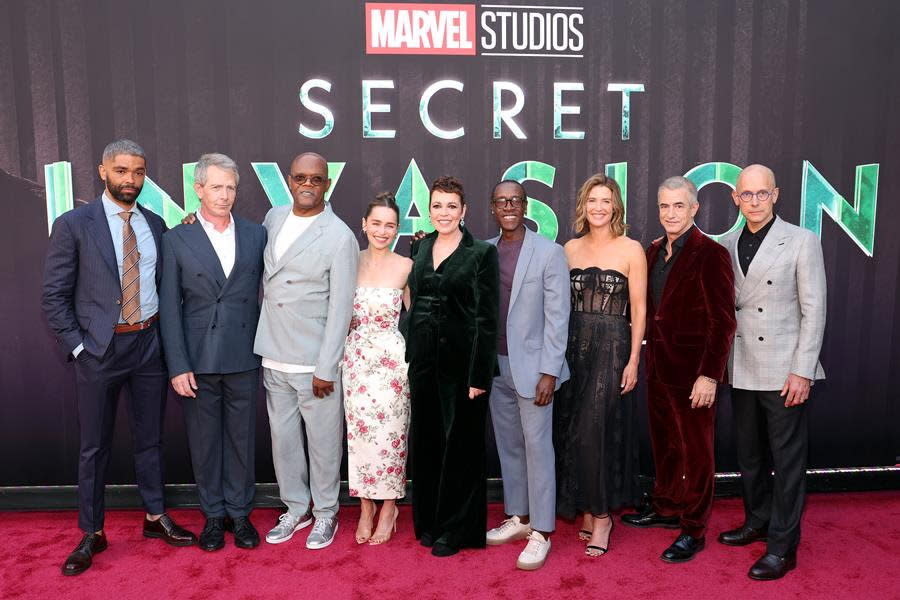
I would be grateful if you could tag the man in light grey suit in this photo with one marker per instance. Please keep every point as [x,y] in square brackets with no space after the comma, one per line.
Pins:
[308,286]
[531,352]
[780,303]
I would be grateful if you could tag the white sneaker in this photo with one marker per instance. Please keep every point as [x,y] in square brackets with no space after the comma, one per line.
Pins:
[535,553]
[509,530]
[287,525]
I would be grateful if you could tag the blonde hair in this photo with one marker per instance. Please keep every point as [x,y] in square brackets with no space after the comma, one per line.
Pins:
[617,224]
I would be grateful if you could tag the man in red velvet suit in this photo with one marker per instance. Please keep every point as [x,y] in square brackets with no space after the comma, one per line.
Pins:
[690,325]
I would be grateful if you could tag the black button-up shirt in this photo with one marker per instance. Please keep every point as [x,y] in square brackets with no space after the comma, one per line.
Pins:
[661,267]
[749,243]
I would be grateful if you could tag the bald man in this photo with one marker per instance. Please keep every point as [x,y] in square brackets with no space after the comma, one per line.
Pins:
[308,286]
[780,307]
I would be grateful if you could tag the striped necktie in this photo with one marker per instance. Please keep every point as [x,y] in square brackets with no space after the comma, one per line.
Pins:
[131,273]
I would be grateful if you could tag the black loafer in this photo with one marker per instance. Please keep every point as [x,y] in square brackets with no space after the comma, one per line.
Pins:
[650,518]
[743,536]
[168,531]
[212,537]
[245,534]
[683,549]
[772,566]
[82,557]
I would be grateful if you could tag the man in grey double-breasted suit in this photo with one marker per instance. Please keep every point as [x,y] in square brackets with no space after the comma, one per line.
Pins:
[308,286]
[779,277]
[531,353]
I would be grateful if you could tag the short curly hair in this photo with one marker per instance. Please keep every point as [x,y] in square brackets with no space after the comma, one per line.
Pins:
[449,184]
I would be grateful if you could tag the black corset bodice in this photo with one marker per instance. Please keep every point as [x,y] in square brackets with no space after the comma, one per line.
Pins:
[599,291]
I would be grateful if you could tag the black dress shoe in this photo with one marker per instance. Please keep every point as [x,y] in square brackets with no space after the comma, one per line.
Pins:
[683,549]
[650,518]
[427,540]
[80,559]
[169,531]
[743,536]
[772,566]
[212,537]
[245,534]
[441,549]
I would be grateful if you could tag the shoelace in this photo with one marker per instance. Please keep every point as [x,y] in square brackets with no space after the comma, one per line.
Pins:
[320,526]
[507,525]
[534,543]
[285,518]
[86,543]
[242,526]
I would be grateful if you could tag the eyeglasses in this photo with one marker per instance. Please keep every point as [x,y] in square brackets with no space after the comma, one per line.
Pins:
[316,180]
[762,196]
[513,201]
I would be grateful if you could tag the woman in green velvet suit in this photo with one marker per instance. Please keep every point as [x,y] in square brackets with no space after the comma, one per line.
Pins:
[451,350]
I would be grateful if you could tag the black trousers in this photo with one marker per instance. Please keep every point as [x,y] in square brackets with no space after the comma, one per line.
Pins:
[221,427]
[770,436]
[134,361]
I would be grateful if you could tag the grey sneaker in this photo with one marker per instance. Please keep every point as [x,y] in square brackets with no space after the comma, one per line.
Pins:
[287,525]
[322,533]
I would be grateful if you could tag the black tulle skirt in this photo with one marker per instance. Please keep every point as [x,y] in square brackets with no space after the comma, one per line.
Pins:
[594,428]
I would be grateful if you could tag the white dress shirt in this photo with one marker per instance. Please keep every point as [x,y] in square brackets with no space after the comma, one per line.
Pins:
[223,242]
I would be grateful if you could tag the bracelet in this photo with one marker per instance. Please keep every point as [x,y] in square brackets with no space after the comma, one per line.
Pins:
[709,379]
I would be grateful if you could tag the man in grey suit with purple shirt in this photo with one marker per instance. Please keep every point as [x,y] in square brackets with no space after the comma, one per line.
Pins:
[531,350]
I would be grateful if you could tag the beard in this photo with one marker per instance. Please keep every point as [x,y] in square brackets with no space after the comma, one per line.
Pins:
[125,193]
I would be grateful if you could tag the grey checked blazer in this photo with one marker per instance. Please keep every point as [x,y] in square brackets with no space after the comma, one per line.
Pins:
[780,306]
[537,325]
[308,294]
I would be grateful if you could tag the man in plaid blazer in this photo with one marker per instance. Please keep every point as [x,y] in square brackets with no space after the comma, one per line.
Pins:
[779,278]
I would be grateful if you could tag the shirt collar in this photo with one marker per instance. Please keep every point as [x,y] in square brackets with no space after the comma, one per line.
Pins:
[112,209]
[682,239]
[209,226]
[761,234]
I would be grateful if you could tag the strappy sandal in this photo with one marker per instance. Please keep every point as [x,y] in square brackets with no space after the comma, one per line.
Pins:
[596,551]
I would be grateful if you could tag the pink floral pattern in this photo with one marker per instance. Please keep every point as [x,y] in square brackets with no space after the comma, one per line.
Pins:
[376,396]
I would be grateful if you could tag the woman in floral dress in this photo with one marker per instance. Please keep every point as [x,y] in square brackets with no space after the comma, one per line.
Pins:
[376,389]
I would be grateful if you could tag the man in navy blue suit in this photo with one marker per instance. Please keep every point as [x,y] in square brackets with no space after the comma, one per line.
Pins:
[100,299]
[209,302]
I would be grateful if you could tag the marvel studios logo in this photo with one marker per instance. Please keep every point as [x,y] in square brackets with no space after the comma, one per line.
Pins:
[502,29]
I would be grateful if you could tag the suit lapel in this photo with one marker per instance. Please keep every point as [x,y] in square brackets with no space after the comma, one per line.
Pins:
[312,233]
[683,263]
[732,246]
[457,257]
[525,255]
[102,237]
[241,242]
[652,253]
[203,251]
[768,252]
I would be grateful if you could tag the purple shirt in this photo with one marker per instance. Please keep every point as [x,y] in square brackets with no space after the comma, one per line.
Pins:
[509,257]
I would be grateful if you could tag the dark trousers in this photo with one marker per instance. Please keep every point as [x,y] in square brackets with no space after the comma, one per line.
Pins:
[769,435]
[447,450]
[221,427]
[134,361]
[683,454]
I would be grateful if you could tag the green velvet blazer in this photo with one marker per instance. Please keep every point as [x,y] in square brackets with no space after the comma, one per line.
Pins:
[466,324]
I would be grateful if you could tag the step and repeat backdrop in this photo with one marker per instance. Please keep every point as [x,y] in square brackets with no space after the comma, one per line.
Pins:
[396,94]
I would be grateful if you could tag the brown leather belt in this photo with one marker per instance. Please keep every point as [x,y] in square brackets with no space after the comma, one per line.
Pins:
[126,328]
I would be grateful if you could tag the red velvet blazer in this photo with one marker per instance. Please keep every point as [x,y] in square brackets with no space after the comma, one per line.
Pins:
[690,332]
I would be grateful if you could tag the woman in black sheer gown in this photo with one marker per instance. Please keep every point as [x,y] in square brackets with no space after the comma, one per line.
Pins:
[594,429]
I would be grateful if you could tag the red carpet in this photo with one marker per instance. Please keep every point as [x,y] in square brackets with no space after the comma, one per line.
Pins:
[850,549]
